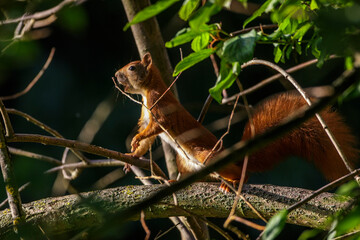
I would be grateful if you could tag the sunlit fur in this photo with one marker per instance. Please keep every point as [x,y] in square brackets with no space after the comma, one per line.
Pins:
[193,143]
[308,141]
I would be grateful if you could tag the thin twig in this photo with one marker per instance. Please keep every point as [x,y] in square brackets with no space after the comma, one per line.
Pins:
[45,128]
[42,14]
[158,236]
[257,28]
[20,189]
[345,236]
[212,225]
[209,99]
[34,81]
[271,79]
[205,108]
[248,223]
[4,114]
[20,152]
[325,188]
[67,173]
[219,142]
[143,224]
[162,95]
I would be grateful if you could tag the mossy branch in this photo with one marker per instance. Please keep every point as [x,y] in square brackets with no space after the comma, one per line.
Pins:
[74,213]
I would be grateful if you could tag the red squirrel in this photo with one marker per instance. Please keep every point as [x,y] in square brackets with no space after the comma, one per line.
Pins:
[194,143]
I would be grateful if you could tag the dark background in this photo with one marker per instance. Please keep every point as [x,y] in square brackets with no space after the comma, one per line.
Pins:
[90,47]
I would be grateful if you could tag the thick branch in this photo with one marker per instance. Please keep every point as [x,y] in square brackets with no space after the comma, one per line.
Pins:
[69,213]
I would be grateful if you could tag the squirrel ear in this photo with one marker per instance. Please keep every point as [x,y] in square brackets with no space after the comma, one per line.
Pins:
[147,60]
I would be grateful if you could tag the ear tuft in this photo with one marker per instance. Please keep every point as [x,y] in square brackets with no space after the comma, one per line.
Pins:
[147,60]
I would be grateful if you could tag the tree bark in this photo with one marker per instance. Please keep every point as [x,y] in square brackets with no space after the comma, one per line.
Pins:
[73,213]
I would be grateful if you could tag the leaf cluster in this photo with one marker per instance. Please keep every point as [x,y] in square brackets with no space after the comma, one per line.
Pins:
[318,27]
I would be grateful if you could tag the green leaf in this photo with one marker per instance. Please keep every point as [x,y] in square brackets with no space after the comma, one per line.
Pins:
[314,5]
[240,48]
[349,222]
[268,6]
[351,93]
[302,31]
[288,51]
[298,47]
[200,42]
[349,63]
[183,36]
[315,49]
[347,189]
[188,8]
[192,59]
[275,225]
[309,234]
[227,76]
[150,11]
[204,14]
[187,34]
[277,53]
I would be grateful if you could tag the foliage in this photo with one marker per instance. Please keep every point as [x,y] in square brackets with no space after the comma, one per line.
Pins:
[301,27]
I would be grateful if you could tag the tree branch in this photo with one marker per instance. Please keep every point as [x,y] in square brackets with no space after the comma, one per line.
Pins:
[140,162]
[17,215]
[71,214]
[42,14]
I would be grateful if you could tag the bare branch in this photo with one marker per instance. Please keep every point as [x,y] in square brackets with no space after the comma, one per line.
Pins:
[257,28]
[271,79]
[42,14]
[28,154]
[5,117]
[140,162]
[90,164]
[45,128]
[20,189]
[34,81]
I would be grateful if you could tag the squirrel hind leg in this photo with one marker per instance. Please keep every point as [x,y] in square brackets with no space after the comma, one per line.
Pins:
[224,188]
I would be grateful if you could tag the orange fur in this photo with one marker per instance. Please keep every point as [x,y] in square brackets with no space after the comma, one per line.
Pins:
[196,142]
[308,141]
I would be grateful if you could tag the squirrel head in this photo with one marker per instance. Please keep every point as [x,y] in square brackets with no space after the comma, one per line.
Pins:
[134,76]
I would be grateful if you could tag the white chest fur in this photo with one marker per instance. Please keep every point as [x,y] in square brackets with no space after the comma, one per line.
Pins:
[191,163]
[145,112]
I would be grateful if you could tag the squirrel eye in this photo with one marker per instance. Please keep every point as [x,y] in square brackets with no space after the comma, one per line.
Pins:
[132,68]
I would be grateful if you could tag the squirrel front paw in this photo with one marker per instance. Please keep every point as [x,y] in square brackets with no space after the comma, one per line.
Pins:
[135,143]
